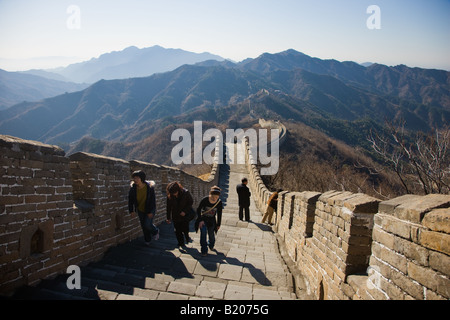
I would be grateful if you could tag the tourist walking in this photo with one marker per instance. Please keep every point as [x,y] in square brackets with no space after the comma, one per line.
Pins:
[179,205]
[209,218]
[272,205]
[244,195]
[142,200]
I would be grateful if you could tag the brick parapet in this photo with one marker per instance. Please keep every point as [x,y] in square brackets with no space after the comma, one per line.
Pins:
[57,211]
[352,246]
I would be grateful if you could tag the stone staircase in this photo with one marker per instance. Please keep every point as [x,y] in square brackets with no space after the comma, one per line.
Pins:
[245,265]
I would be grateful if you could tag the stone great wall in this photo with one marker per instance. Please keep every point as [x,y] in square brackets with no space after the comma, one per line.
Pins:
[344,246]
[57,211]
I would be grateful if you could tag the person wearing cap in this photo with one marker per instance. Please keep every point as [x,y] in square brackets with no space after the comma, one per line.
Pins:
[142,200]
[179,204]
[209,218]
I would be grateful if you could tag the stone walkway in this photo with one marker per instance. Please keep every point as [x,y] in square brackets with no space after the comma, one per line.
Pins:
[245,265]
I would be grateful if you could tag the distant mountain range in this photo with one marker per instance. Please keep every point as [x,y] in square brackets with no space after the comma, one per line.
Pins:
[34,85]
[131,62]
[424,86]
[16,87]
[299,87]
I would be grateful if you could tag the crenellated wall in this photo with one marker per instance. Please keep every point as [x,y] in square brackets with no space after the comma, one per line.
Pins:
[57,211]
[351,246]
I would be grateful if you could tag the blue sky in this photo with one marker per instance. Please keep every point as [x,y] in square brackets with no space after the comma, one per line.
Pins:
[35,34]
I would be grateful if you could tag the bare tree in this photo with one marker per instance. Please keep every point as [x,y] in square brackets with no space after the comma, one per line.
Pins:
[433,161]
[420,162]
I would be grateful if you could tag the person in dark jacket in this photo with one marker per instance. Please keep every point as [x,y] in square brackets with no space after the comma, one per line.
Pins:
[244,195]
[209,218]
[142,200]
[179,204]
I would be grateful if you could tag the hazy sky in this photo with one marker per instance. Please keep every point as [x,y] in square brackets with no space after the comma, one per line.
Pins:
[51,33]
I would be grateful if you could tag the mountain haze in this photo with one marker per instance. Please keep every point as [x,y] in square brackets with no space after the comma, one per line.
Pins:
[108,108]
[329,108]
[16,87]
[320,93]
[423,86]
[34,85]
[131,62]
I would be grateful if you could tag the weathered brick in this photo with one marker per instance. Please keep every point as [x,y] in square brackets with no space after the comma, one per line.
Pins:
[408,285]
[415,209]
[430,279]
[12,200]
[383,237]
[411,250]
[436,241]
[438,220]
[21,208]
[395,226]
[410,234]
[388,207]
[440,262]
[20,172]
[394,259]
[35,215]
[35,198]
[22,190]
[362,204]
[393,291]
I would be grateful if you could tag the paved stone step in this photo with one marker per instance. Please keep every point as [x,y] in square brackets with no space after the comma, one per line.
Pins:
[245,264]
[55,289]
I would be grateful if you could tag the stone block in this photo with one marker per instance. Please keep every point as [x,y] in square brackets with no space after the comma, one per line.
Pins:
[182,288]
[438,220]
[309,197]
[436,241]
[394,226]
[211,290]
[394,259]
[388,207]
[230,272]
[440,262]
[430,279]
[206,268]
[408,285]
[362,204]
[415,209]
[238,292]
[17,145]
[339,199]
[411,250]
[391,290]
[327,195]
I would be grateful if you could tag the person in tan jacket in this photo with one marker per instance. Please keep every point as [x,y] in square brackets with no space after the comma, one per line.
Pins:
[272,205]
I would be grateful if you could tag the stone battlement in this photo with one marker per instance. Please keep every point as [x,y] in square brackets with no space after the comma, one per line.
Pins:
[57,211]
[352,246]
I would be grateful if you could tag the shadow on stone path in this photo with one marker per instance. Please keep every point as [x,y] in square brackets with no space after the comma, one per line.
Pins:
[245,264]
